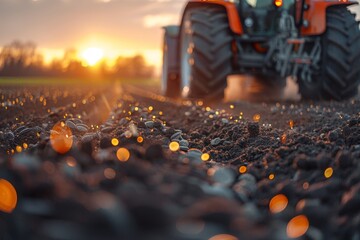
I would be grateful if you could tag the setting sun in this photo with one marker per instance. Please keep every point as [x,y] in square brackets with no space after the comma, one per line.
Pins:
[92,56]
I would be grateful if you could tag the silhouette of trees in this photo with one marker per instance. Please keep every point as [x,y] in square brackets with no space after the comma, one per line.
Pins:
[23,59]
[19,59]
[136,66]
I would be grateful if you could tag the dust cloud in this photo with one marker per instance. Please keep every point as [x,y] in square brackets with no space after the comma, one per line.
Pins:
[249,88]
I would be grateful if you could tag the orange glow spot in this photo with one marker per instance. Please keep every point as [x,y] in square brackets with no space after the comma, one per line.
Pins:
[223,237]
[328,172]
[232,106]
[205,157]
[140,139]
[211,171]
[8,196]
[283,139]
[256,118]
[278,3]
[115,142]
[174,146]
[291,124]
[123,154]
[151,108]
[25,145]
[18,149]
[278,203]
[271,176]
[242,169]
[109,173]
[61,138]
[71,162]
[297,226]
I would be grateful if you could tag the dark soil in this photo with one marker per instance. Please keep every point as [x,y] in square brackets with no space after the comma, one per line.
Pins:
[257,151]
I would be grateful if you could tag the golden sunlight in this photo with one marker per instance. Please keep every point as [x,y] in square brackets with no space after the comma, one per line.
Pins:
[92,56]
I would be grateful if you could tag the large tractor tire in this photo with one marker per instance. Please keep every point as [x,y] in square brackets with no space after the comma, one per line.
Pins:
[339,74]
[205,53]
[170,81]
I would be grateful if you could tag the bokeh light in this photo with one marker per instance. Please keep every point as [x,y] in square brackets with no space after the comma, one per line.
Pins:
[306,185]
[123,154]
[297,226]
[109,173]
[278,203]
[140,139]
[18,149]
[257,117]
[61,138]
[174,146]
[271,176]
[205,157]
[71,162]
[223,237]
[328,172]
[8,196]
[115,142]
[291,124]
[242,169]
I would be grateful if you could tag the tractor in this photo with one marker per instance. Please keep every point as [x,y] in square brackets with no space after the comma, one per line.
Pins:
[317,42]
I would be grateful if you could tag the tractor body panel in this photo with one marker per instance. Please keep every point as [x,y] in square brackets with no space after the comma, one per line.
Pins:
[315,15]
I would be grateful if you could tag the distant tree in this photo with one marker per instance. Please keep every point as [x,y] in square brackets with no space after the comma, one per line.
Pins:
[18,58]
[55,68]
[70,55]
[22,59]
[133,67]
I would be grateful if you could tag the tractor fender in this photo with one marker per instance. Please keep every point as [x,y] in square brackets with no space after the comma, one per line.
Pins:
[171,44]
[232,12]
[315,15]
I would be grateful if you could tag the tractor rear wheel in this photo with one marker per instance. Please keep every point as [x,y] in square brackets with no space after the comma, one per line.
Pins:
[339,74]
[205,53]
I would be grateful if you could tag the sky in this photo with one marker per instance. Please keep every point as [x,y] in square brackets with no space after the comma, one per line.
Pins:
[119,27]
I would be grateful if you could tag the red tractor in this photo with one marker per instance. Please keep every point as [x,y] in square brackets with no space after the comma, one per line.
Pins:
[315,41]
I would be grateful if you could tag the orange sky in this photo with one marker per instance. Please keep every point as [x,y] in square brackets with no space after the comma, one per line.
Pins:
[118,27]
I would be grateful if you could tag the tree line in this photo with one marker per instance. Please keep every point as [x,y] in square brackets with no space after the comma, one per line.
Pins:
[22,59]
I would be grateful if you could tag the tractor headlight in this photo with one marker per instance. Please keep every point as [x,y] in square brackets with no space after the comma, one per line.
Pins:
[278,3]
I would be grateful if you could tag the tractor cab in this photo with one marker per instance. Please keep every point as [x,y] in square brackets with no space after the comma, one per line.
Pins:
[261,18]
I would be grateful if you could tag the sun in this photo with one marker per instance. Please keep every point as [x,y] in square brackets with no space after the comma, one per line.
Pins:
[92,55]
